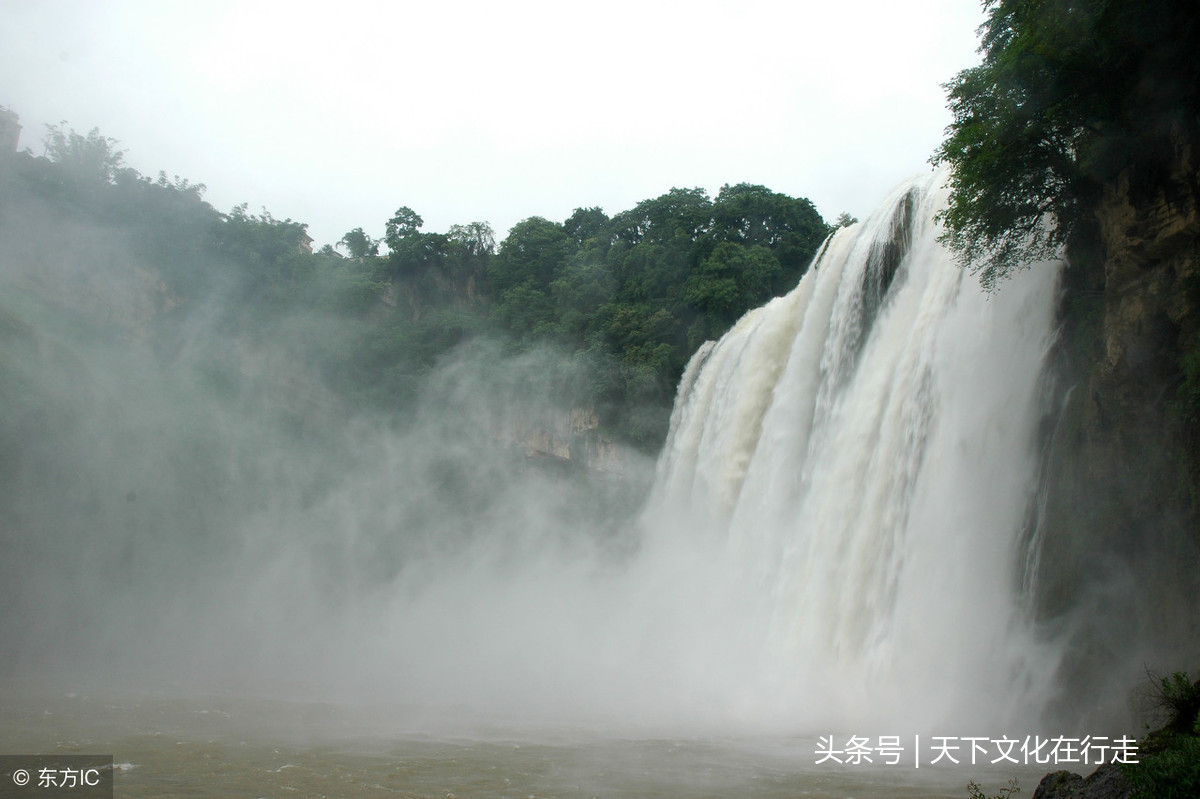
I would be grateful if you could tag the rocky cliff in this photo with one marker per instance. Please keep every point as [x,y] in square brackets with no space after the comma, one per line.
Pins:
[1121,523]
[568,437]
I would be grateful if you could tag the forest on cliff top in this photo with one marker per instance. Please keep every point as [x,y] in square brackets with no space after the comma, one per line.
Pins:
[625,298]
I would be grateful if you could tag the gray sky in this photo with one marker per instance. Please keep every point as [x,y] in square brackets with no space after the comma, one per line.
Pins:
[336,114]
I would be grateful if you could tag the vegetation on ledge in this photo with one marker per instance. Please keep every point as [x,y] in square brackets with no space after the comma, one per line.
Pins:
[1070,94]
[628,297]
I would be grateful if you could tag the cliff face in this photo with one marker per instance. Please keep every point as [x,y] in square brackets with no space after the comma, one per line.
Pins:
[566,438]
[81,268]
[1121,524]
[1150,236]
[1149,233]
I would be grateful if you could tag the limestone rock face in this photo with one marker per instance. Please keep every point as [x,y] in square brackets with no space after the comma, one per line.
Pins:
[1120,530]
[83,270]
[572,437]
[1151,264]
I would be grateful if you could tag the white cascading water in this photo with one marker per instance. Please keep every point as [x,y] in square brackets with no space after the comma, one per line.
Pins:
[852,464]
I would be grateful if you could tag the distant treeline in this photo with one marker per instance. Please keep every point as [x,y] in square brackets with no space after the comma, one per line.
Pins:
[628,297]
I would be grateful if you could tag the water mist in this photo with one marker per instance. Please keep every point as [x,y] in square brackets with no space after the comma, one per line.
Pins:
[832,541]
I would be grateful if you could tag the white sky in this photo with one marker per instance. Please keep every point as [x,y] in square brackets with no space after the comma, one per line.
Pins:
[336,114]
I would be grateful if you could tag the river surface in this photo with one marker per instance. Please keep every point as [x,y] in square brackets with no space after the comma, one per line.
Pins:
[238,747]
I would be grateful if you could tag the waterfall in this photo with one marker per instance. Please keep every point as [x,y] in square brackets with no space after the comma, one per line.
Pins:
[858,459]
[836,542]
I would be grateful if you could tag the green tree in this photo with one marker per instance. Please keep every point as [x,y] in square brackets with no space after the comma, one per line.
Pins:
[789,227]
[405,223]
[581,288]
[412,253]
[359,244]
[654,271]
[534,251]
[526,311]
[1069,94]
[92,155]
[418,253]
[180,185]
[586,223]
[685,212]
[266,250]
[729,282]
[646,336]
[477,238]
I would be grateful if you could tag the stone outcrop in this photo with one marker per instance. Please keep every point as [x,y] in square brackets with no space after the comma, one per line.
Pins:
[572,438]
[1150,237]
[1106,782]
[82,269]
[1120,530]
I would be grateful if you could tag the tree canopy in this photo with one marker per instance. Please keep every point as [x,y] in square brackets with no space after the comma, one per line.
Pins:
[630,296]
[92,155]
[359,244]
[1069,94]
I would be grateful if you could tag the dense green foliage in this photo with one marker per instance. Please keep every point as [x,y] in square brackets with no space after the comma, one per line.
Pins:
[1168,766]
[1179,699]
[1171,772]
[637,293]
[627,298]
[1069,94]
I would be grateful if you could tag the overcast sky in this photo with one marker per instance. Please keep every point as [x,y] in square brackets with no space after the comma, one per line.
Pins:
[336,114]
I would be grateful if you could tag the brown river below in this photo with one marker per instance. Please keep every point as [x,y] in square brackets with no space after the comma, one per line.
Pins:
[238,747]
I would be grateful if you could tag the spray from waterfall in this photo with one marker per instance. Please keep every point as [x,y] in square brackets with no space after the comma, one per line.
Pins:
[833,540]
